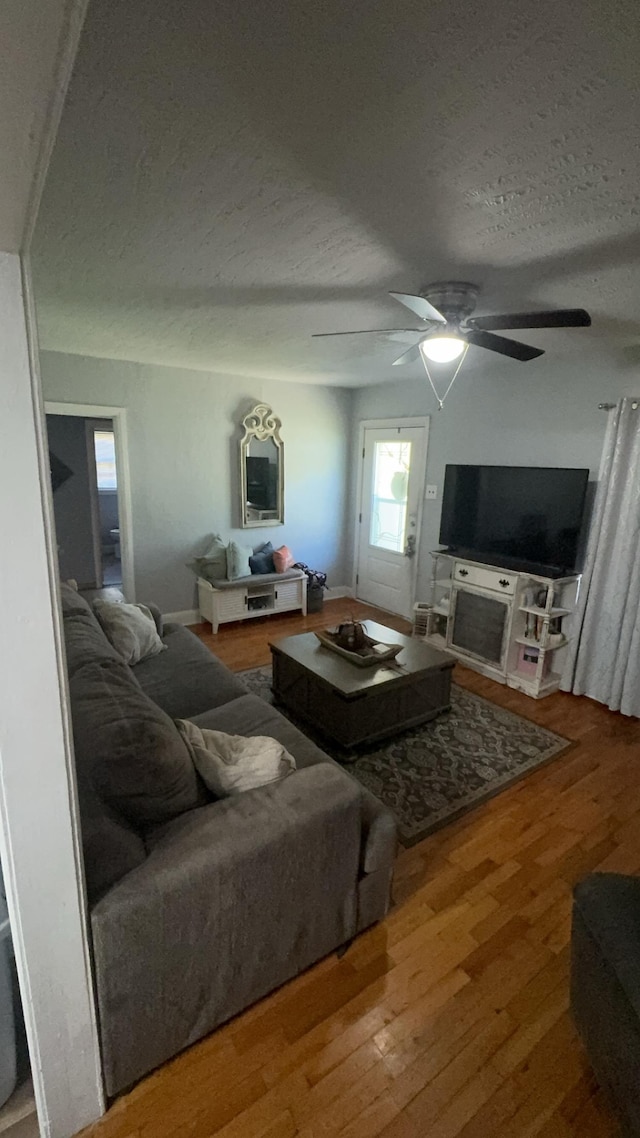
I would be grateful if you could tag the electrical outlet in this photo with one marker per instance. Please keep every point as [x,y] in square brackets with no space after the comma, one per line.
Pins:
[432,492]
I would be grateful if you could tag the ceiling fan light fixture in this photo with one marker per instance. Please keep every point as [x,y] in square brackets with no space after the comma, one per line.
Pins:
[442,349]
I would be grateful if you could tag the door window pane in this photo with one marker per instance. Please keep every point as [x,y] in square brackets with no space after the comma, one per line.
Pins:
[391,464]
[104,443]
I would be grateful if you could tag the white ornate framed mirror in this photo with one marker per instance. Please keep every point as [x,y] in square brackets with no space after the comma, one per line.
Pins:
[261,469]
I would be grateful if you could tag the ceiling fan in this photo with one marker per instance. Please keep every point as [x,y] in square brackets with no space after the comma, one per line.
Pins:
[446,307]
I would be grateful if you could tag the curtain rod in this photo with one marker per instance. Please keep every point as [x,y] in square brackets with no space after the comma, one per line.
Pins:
[635,403]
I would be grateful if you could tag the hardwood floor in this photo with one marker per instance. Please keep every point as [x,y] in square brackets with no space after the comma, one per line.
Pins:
[450,1019]
[246,645]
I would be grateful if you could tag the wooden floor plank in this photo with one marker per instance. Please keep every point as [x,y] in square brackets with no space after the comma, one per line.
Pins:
[450,1018]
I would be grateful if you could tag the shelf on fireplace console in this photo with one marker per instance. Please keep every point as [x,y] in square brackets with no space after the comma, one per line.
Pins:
[543,612]
[536,644]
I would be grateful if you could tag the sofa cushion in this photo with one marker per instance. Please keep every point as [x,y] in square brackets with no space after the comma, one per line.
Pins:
[187,679]
[129,748]
[130,629]
[265,579]
[250,715]
[84,639]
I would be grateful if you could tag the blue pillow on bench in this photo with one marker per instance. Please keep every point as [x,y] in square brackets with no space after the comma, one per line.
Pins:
[262,560]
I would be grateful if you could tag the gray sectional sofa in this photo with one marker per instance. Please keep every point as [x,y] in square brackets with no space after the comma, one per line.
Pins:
[198,908]
[605,987]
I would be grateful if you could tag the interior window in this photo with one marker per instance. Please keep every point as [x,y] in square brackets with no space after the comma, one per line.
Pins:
[389,496]
[104,443]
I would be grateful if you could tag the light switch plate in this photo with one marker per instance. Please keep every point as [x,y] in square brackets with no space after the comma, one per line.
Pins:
[432,492]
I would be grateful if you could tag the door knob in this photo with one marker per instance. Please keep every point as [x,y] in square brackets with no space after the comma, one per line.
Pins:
[410,547]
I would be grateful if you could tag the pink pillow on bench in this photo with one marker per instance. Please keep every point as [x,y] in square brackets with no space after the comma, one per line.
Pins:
[282,559]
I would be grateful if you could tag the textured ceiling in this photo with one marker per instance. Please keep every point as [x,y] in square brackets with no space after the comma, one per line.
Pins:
[34,35]
[231,177]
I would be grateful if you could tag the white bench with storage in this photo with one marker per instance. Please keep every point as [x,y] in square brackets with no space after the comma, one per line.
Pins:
[258,595]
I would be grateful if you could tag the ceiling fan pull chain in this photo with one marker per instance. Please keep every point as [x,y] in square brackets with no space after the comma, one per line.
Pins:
[426,368]
[454,377]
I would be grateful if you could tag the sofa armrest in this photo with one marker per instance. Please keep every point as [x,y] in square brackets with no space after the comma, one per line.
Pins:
[379,835]
[605,986]
[234,898]
[607,906]
[218,834]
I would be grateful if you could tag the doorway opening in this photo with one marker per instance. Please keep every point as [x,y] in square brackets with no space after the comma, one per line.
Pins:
[91,506]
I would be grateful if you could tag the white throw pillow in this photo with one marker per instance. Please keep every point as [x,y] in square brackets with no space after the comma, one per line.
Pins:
[238,560]
[231,764]
[131,630]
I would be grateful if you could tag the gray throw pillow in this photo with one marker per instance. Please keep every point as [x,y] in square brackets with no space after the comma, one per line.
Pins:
[213,564]
[131,751]
[131,630]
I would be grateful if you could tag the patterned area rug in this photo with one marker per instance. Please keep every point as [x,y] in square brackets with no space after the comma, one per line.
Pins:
[432,774]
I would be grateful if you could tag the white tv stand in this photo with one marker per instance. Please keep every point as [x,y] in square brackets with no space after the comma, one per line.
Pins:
[513,627]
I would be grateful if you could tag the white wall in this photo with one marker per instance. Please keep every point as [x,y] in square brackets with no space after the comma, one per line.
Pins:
[39,839]
[543,413]
[183,444]
[38,835]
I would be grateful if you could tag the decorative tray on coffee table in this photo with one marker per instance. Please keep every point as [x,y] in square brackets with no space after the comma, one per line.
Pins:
[373,652]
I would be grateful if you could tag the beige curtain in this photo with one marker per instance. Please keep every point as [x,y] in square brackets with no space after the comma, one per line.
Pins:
[604,655]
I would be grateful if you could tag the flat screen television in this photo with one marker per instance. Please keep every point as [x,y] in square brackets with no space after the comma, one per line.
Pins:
[520,517]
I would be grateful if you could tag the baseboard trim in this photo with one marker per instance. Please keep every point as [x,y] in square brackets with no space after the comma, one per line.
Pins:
[187,616]
[336,591]
[192,616]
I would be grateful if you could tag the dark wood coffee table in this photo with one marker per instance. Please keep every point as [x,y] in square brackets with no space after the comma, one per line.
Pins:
[353,705]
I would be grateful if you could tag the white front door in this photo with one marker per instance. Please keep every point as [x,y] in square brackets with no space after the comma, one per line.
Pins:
[392,487]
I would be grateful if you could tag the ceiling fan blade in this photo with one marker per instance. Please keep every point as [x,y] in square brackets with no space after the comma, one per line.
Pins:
[409,356]
[420,306]
[556,318]
[501,344]
[371,332]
